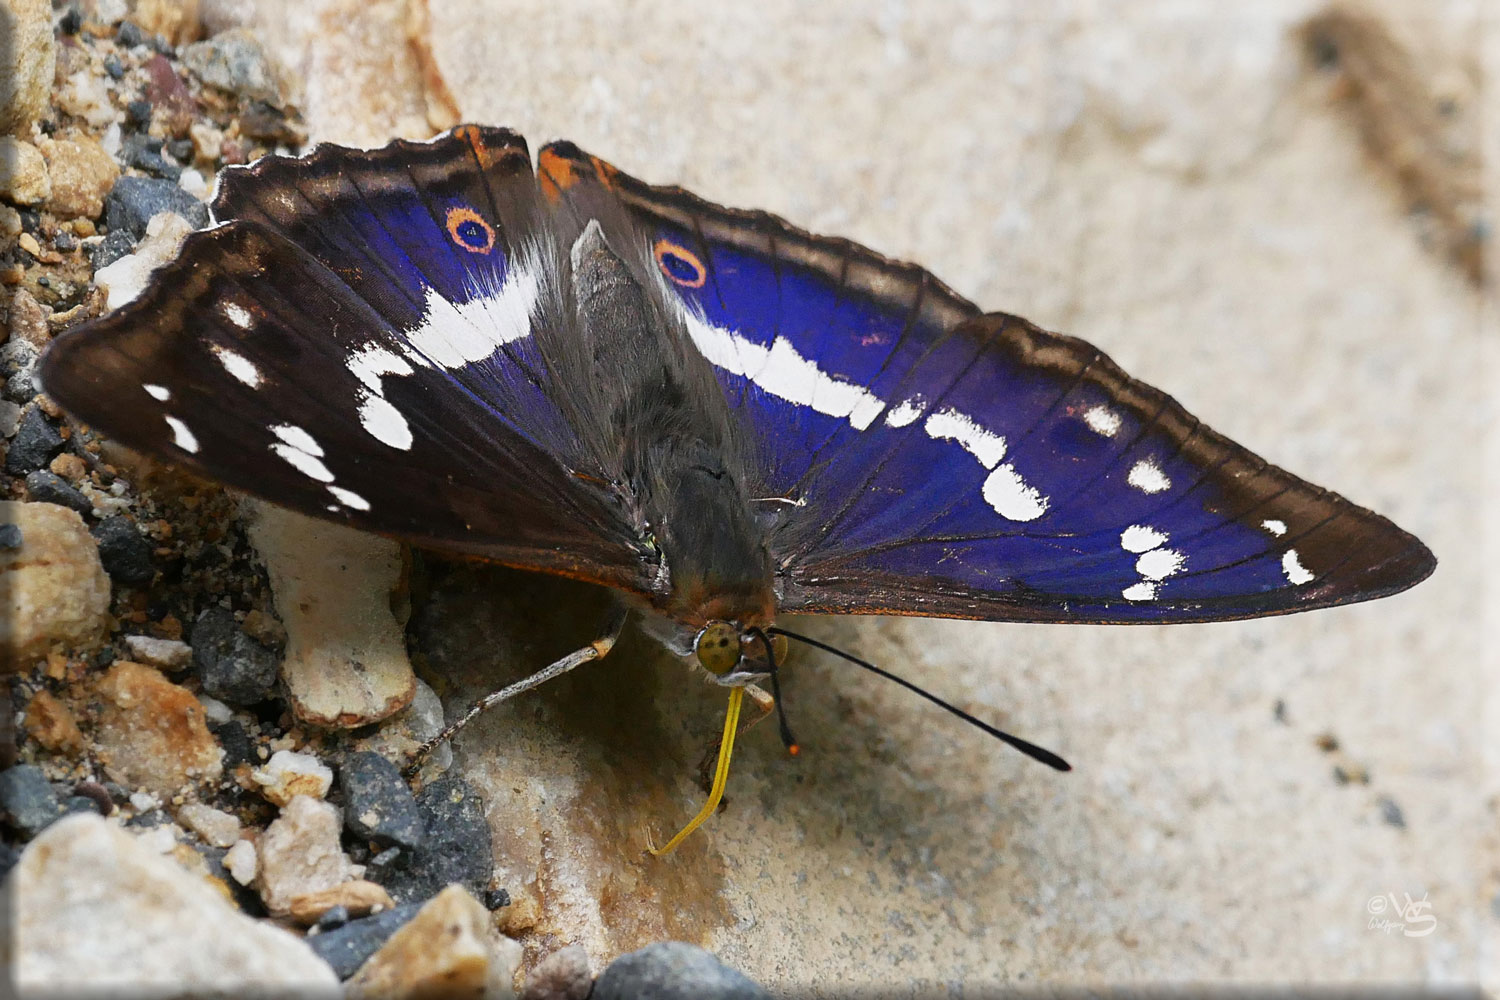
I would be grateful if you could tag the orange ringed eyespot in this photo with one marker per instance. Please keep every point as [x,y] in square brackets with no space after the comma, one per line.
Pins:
[679,264]
[469,230]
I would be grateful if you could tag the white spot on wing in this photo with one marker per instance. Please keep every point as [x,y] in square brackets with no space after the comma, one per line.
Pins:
[349,498]
[1295,572]
[1102,420]
[239,366]
[238,315]
[1142,591]
[1008,494]
[455,334]
[298,438]
[1141,538]
[372,362]
[906,413]
[385,423]
[950,425]
[1147,477]
[1158,564]
[160,393]
[299,450]
[782,372]
[182,437]
[1275,527]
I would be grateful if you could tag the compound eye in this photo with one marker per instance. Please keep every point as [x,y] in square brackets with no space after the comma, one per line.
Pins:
[718,647]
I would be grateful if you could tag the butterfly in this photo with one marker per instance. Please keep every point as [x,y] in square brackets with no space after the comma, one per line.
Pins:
[722,417]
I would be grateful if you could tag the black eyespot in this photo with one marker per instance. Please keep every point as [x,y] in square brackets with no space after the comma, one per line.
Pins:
[679,264]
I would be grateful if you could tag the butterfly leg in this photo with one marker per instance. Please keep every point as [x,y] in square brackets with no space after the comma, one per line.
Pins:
[764,706]
[595,650]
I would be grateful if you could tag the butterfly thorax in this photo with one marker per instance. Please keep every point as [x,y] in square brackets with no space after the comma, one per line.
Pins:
[656,420]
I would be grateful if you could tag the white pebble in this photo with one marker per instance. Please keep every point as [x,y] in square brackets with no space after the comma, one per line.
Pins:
[214,827]
[241,863]
[288,774]
[168,654]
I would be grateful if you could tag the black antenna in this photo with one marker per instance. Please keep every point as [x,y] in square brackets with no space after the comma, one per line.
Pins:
[787,739]
[1031,750]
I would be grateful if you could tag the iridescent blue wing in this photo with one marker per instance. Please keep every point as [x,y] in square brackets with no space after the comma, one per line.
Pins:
[921,458]
[356,339]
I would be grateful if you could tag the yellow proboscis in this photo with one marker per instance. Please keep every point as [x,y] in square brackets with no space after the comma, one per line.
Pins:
[721,773]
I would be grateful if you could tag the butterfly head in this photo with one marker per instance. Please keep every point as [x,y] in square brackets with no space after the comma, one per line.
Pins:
[736,655]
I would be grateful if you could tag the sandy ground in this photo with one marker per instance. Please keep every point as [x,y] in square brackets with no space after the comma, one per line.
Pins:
[1175,183]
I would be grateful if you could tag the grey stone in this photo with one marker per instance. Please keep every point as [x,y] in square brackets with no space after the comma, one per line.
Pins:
[233,667]
[457,847]
[124,551]
[10,536]
[49,487]
[234,61]
[133,201]
[36,441]
[112,247]
[674,970]
[378,805]
[346,948]
[27,800]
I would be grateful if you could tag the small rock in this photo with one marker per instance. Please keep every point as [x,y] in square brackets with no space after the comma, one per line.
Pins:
[1391,812]
[138,113]
[23,172]
[57,590]
[85,94]
[18,366]
[48,487]
[51,723]
[457,847]
[27,61]
[241,863]
[133,201]
[333,918]
[166,654]
[127,277]
[213,826]
[10,536]
[300,853]
[378,805]
[10,417]
[82,175]
[114,67]
[347,948]
[289,775]
[234,61]
[27,801]
[144,153]
[447,949]
[124,551]
[238,747]
[233,667]
[216,712]
[151,732]
[562,975]
[208,141]
[358,898]
[111,248]
[495,899]
[92,911]
[129,34]
[28,319]
[674,970]
[69,466]
[36,441]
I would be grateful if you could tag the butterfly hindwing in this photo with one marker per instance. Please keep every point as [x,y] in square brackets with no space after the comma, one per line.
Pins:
[297,358]
[925,459]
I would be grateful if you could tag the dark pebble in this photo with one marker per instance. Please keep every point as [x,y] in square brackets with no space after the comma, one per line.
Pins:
[10,536]
[1391,813]
[144,153]
[378,804]
[134,200]
[35,443]
[181,150]
[138,114]
[18,366]
[8,857]
[124,551]
[64,242]
[346,948]
[457,848]
[101,796]
[238,747]
[130,34]
[148,820]
[80,804]
[49,487]
[382,866]
[114,67]
[27,800]
[333,918]
[674,970]
[234,668]
[495,899]
[70,22]
[116,244]
[264,123]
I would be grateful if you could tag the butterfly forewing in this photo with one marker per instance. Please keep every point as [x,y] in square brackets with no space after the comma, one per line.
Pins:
[933,461]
